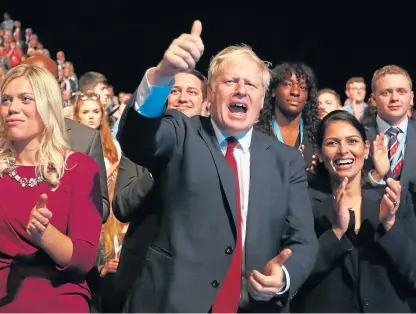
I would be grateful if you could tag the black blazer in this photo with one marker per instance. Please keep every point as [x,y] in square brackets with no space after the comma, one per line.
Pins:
[192,250]
[377,275]
[134,203]
[88,141]
[308,151]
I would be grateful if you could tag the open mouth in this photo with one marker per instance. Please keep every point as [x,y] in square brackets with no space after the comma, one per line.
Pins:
[238,108]
[342,164]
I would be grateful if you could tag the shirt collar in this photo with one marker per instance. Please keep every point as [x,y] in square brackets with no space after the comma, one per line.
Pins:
[383,126]
[243,140]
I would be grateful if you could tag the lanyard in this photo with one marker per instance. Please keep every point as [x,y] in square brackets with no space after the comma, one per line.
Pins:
[279,134]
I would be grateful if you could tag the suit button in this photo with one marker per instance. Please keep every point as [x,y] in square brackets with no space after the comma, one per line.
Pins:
[215,283]
[365,301]
[228,250]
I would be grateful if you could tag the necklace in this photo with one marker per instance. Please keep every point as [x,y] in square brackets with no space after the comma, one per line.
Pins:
[24,182]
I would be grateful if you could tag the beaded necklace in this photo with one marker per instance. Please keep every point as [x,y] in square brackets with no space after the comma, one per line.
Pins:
[24,182]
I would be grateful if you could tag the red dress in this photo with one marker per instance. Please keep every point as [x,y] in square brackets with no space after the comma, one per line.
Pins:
[29,279]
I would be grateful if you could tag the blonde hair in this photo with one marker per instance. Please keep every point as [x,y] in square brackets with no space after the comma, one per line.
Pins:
[54,147]
[389,69]
[112,227]
[230,54]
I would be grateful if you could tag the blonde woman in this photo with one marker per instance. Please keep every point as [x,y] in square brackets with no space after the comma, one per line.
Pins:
[49,200]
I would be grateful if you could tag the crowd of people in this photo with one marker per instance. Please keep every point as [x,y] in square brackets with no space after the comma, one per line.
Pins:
[249,190]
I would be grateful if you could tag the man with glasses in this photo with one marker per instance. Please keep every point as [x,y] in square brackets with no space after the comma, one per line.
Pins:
[355,91]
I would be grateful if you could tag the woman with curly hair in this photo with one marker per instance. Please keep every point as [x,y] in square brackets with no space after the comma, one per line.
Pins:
[290,110]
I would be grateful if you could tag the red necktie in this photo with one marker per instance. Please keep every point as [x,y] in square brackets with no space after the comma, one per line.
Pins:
[394,144]
[228,296]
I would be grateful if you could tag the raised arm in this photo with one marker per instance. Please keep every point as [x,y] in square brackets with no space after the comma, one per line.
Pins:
[145,136]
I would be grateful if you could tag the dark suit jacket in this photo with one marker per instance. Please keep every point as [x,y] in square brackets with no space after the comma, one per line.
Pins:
[192,250]
[376,273]
[408,174]
[86,140]
[308,151]
[135,203]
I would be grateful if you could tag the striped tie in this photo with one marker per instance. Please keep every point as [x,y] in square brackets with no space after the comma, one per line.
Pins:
[396,157]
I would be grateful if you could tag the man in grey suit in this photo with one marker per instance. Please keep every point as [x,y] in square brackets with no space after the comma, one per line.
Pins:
[234,232]
[81,137]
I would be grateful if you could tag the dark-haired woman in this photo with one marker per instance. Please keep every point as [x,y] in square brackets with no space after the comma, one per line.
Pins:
[366,261]
[290,111]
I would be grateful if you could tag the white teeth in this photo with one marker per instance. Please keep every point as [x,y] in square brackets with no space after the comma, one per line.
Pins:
[344,162]
[239,105]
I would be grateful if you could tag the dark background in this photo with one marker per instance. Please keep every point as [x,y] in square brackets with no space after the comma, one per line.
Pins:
[122,38]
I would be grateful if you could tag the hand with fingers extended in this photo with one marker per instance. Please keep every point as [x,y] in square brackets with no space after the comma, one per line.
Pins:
[342,213]
[380,158]
[183,54]
[390,203]
[264,286]
[39,218]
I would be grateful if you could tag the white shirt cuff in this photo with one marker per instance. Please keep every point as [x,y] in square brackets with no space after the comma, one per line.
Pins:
[287,279]
[374,182]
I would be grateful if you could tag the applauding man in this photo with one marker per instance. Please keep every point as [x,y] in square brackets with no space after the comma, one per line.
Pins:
[235,223]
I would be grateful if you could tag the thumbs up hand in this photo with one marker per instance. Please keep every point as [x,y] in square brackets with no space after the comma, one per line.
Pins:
[39,218]
[263,287]
[183,54]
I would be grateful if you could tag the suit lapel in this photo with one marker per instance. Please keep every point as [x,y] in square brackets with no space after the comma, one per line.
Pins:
[258,192]
[225,173]
[409,162]
[326,210]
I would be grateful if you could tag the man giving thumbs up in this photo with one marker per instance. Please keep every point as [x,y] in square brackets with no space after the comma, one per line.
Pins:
[235,226]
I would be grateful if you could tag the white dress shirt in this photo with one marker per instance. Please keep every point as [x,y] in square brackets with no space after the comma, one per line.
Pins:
[382,127]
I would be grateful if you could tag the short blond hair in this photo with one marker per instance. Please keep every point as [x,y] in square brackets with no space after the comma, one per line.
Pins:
[388,70]
[54,147]
[231,53]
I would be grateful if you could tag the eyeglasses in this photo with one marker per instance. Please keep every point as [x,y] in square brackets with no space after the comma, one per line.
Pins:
[355,89]
[89,95]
